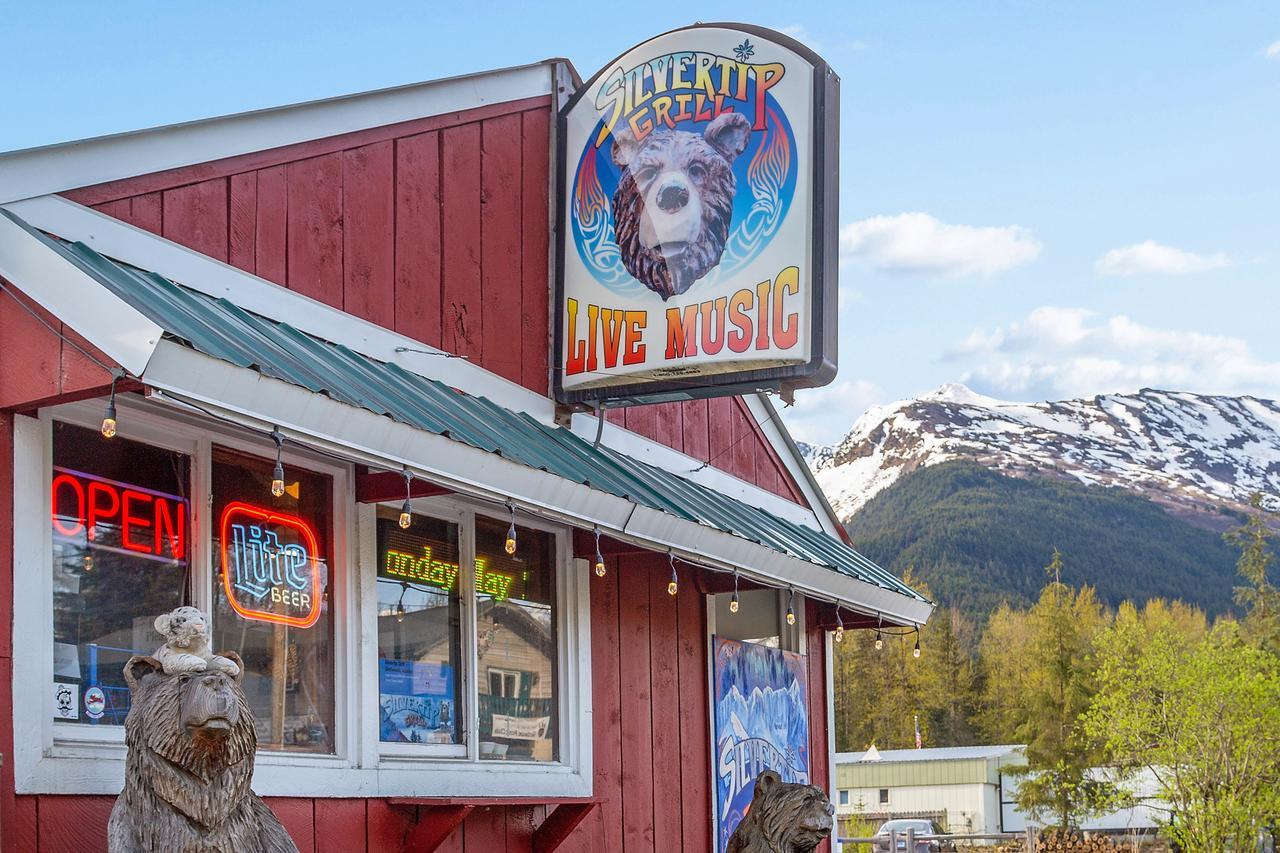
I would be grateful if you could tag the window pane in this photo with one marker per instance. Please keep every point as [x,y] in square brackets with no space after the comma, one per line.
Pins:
[516,643]
[272,597]
[120,523]
[419,630]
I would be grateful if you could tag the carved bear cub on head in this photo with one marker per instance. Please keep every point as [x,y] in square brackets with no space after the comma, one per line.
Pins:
[674,200]
[784,817]
[191,743]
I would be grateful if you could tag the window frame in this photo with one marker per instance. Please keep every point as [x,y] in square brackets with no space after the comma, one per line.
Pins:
[52,758]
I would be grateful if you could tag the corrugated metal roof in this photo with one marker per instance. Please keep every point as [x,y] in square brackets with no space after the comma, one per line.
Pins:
[223,330]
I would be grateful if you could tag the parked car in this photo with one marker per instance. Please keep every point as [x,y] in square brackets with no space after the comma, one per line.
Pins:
[891,837]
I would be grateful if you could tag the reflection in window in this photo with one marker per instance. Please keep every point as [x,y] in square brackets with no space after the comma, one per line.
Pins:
[271,596]
[516,643]
[120,524]
[419,630]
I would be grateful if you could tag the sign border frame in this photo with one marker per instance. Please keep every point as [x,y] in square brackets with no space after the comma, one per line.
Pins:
[820,369]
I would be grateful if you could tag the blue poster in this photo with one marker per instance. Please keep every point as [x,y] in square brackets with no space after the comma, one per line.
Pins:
[417,701]
[761,723]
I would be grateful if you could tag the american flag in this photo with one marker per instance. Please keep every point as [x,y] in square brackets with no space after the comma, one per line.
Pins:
[918,742]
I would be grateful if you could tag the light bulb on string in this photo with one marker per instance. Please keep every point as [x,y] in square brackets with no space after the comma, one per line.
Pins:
[915,653]
[404,587]
[839,626]
[406,510]
[109,417]
[510,545]
[733,602]
[277,474]
[673,586]
[879,636]
[791,611]
[600,569]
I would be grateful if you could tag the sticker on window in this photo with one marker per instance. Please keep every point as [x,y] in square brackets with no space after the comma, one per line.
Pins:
[66,701]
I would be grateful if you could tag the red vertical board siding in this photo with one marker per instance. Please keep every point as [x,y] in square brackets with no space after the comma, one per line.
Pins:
[77,372]
[299,818]
[315,228]
[636,580]
[664,681]
[668,425]
[461,326]
[21,833]
[368,232]
[32,353]
[148,212]
[418,224]
[694,418]
[73,824]
[501,142]
[605,826]
[816,644]
[644,420]
[10,819]
[243,227]
[485,829]
[386,827]
[742,457]
[719,431]
[196,216]
[121,208]
[340,826]
[695,709]
[520,826]
[272,226]
[535,238]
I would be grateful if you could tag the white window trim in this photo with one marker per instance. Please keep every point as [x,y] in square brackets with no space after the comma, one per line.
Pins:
[68,759]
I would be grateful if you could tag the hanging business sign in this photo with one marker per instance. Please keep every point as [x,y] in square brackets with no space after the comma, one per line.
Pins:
[761,723]
[697,245]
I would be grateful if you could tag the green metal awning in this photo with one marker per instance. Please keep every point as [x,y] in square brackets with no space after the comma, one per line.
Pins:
[272,348]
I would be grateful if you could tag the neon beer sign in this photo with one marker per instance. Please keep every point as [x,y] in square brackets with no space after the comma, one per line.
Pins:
[118,516]
[270,565]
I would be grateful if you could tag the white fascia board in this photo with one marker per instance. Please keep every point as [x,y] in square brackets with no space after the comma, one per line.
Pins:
[76,298]
[764,414]
[259,402]
[123,242]
[70,165]
[659,455]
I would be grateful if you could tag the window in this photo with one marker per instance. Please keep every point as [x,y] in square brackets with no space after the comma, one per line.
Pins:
[844,797]
[419,631]
[120,517]
[884,796]
[516,643]
[271,597]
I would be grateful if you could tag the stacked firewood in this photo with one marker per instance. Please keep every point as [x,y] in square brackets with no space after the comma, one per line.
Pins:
[1057,841]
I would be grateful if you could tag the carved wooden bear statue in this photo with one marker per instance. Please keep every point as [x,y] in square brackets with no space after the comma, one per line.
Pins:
[783,818]
[191,746]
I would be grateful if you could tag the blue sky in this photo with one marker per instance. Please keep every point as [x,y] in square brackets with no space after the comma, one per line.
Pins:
[1040,200]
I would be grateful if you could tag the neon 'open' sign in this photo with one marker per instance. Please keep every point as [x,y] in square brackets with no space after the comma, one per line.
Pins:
[270,565]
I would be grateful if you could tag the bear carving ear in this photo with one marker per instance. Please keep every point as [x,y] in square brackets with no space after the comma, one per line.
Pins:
[238,661]
[728,133]
[766,780]
[138,668]
[625,147]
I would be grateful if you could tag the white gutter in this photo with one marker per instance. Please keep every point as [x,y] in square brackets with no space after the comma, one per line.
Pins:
[249,398]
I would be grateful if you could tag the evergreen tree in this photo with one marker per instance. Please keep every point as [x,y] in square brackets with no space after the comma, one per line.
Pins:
[949,684]
[1260,598]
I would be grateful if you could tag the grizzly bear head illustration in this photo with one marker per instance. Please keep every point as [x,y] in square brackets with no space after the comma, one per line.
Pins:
[674,201]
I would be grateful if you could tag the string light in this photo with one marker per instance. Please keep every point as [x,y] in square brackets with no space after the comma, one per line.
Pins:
[406,511]
[600,569]
[791,612]
[109,417]
[277,475]
[733,602]
[673,586]
[915,653]
[511,531]
[839,626]
[879,636]
[404,587]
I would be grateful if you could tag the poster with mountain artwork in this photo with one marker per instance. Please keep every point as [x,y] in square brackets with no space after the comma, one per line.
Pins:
[761,723]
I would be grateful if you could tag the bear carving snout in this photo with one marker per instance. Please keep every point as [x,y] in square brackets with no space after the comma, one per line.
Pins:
[209,707]
[673,196]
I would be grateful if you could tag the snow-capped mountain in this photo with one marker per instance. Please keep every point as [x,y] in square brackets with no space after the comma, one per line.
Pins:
[1191,453]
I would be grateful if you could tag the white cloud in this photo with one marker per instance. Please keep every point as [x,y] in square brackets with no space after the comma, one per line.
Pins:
[824,415]
[1152,258]
[1272,51]
[1073,352]
[801,33]
[920,243]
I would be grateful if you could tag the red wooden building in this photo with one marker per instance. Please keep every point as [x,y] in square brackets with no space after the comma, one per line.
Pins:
[358,290]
